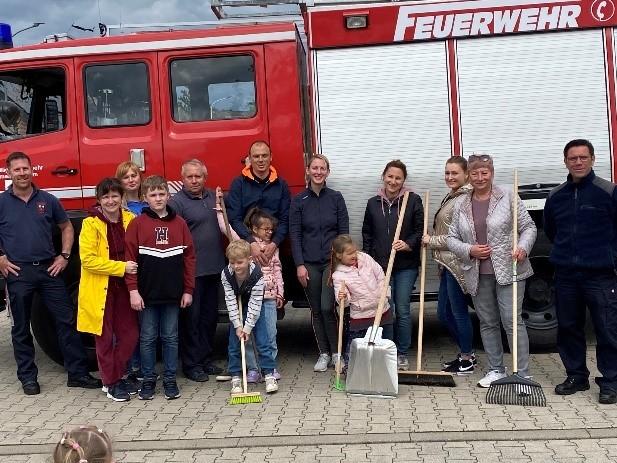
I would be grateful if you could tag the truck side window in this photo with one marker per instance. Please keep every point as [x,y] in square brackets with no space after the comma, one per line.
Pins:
[117,94]
[32,102]
[214,88]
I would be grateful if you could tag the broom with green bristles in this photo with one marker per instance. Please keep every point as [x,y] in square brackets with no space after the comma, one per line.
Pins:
[244,397]
[339,384]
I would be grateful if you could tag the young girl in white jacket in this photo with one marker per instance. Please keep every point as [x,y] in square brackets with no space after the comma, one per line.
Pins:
[360,279]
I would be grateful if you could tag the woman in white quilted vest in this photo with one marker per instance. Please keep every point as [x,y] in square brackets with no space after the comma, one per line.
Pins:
[452,303]
[481,237]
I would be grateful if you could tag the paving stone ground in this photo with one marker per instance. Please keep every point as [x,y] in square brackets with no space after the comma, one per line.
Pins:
[308,421]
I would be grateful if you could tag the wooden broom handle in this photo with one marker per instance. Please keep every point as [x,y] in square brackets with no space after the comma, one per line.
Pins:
[226,219]
[422,286]
[514,346]
[386,281]
[341,308]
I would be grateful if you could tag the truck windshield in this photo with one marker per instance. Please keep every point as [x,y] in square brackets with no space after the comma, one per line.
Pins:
[32,102]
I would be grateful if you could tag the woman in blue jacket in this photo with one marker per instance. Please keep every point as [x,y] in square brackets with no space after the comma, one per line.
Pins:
[317,216]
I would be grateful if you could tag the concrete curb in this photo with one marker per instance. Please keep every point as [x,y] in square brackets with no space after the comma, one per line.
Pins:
[333,439]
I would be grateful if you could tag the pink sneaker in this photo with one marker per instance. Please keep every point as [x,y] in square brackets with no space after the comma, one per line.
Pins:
[276,374]
[253,377]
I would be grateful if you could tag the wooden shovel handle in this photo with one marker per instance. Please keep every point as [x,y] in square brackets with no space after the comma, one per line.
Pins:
[514,345]
[386,281]
[422,286]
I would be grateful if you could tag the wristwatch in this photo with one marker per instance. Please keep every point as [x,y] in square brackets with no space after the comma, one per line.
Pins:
[66,255]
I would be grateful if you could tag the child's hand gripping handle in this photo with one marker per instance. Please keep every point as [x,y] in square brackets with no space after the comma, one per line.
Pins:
[386,281]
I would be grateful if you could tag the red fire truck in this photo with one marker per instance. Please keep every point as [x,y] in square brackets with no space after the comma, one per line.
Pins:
[360,82]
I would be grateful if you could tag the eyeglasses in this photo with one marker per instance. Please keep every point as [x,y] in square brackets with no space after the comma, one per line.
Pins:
[479,157]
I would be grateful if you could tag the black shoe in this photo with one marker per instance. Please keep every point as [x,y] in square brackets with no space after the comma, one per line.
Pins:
[86,381]
[147,390]
[171,390]
[196,374]
[131,384]
[31,388]
[608,396]
[118,393]
[458,358]
[212,369]
[571,385]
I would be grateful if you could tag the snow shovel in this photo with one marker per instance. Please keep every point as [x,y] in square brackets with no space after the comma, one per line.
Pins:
[515,389]
[339,384]
[419,377]
[372,366]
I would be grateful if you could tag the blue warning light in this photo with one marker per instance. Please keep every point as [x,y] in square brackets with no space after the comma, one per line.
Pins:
[6,40]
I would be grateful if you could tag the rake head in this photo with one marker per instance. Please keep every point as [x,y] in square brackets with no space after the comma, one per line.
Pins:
[516,390]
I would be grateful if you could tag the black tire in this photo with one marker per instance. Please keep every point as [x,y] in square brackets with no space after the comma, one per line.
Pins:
[539,311]
[44,330]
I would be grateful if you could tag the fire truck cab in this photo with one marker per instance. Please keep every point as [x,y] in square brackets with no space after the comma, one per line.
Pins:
[362,82]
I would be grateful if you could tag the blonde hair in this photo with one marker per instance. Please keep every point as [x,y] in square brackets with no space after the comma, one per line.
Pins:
[238,249]
[124,168]
[318,156]
[85,444]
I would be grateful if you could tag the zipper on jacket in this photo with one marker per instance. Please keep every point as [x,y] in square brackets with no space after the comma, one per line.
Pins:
[574,228]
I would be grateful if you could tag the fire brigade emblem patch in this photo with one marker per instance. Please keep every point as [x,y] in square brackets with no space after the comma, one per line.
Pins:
[162,235]
[41,207]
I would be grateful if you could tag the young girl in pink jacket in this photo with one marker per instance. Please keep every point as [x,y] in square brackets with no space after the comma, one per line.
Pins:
[363,280]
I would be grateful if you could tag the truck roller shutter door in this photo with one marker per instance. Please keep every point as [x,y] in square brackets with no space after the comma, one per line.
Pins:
[381,103]
[522,98]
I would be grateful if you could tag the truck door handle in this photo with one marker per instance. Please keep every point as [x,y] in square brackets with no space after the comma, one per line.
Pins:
[63,170]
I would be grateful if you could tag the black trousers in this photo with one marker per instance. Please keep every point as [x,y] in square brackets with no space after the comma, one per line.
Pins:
[35,279]
[575,291]
[198,323]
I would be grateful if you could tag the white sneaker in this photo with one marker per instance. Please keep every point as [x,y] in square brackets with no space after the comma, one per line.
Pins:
[402,362]
[492,375]
[322,363]
[236,385]
[271,384]
[335,358]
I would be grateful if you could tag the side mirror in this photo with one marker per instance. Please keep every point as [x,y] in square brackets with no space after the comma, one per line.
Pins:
[52,117]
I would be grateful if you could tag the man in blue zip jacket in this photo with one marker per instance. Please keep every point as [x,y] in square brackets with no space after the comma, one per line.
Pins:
[580,218]
[259,186]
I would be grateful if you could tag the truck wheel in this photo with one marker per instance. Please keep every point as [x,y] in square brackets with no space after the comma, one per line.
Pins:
[44,330]
[539,312]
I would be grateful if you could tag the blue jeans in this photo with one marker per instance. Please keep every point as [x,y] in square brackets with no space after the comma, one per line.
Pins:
[453,312]
[402,284]
[268,313]
[161,318]
[259,334]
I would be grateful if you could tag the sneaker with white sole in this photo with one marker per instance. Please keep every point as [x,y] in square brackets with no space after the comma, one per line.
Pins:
[253,377]
[236,385]
[322,363]
[271,384]
[492,375]
[402,362]
[335,358]
[276,374]
[117,393]
[458,358]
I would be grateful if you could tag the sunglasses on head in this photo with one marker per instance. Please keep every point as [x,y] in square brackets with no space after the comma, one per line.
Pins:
[479,157]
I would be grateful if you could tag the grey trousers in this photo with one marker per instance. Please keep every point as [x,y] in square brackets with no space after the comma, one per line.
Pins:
[494,303]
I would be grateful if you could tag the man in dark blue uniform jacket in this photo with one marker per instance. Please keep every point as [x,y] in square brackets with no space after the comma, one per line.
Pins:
[29,264]
[581,220]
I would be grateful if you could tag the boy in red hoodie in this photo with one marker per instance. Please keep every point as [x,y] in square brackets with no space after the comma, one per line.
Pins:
[161,244]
